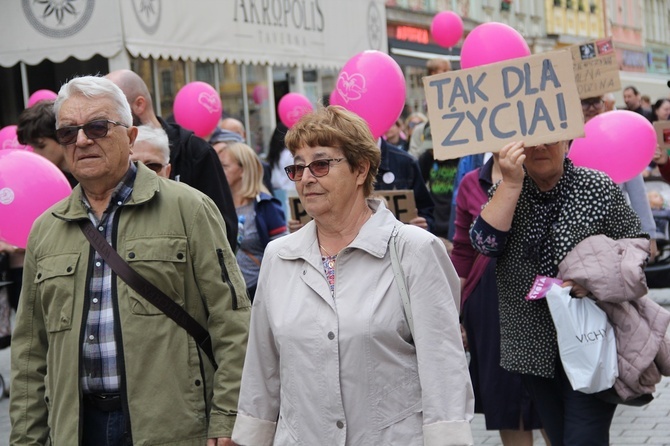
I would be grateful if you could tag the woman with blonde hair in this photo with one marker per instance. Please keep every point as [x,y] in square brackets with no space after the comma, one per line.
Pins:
[260,216]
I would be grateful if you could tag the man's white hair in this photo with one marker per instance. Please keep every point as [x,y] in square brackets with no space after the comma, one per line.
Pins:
[156,137]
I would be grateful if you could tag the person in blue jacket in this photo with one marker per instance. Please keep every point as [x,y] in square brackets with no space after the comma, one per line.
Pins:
[260,215]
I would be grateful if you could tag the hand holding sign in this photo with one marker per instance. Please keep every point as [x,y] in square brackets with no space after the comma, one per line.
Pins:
[620,143]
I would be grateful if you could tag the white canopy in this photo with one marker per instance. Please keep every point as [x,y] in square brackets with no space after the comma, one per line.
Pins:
[310,33]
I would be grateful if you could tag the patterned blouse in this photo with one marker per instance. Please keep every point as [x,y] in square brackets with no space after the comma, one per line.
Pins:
[545,227]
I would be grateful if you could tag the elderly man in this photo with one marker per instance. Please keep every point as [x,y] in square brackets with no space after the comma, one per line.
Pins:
[152,148]
[95,362]
[193,161]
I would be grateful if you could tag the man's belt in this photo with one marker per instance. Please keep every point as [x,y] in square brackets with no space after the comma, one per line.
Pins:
[105,402]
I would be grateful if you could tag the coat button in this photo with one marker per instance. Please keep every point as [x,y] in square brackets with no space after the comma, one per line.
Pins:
[180,256]
[340,424]
[131,255]
[331,335]
[69,269]
[304,272]
[39,275]
[197,383]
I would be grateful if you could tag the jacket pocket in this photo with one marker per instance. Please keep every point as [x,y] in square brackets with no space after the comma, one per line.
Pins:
[287,429]
[162,261]
[398,403]
[55,279]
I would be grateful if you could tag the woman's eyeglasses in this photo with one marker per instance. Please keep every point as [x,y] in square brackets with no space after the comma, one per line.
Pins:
[319,168]
[93,130]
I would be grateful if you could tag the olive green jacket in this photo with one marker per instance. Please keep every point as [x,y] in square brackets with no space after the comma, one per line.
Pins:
[171,393]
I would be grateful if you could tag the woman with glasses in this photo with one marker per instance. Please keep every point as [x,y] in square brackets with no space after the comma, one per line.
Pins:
[331,357]
[540,210]
[260,216]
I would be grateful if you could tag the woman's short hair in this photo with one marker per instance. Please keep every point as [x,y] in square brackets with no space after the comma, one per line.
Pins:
[95,87]
[252,179]
[336,127]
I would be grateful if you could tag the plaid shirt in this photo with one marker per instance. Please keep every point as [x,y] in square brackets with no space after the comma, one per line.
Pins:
[101,373]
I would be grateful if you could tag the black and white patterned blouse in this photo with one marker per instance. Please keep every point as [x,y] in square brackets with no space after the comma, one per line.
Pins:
[545,227]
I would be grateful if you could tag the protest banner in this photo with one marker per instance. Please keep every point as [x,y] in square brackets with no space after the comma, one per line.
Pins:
[663,133]
[532,99]
[596,68]
[400,202]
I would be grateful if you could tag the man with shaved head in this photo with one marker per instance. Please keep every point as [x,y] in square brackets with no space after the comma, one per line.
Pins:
[193,160]
[233,125]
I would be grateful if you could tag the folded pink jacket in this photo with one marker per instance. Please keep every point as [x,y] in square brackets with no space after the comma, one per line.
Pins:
[613,272]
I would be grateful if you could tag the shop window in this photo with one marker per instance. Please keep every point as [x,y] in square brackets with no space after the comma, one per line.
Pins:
[580,5]
[204,71]
[171,78]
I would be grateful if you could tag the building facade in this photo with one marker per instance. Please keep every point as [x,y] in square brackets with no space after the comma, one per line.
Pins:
[252,52]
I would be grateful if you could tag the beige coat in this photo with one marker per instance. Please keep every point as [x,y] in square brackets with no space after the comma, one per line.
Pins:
[620,288]
[343,369]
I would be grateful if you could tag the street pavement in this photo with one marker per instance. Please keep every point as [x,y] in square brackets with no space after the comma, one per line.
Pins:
[632,426]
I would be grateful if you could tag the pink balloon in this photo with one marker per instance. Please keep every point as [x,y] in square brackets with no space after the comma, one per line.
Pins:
[292,107]
[29,185]
[620,143]
[259,94]
[446,28]
[41,95]
[334,98]
[492,42]
[9,140]
[197,107]
[371,84]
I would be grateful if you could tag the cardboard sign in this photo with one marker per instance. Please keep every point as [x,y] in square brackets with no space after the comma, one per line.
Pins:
[400,202]
[663,133]
[532,99]
[596,68]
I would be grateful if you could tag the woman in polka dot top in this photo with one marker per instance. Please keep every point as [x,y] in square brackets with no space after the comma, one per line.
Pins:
[541,209]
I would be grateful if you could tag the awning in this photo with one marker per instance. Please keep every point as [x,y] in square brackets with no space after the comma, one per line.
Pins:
[309,33]
[33,31]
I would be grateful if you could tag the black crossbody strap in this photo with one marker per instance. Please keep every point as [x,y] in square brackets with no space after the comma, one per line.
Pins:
[148,290]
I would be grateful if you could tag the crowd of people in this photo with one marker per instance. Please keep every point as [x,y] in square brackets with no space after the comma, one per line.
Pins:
[257,329]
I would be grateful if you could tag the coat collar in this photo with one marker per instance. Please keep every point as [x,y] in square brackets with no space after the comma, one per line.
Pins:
[145,187]
[373,237]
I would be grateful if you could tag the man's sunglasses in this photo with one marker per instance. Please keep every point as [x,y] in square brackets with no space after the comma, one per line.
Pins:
[93,130]
[319,168]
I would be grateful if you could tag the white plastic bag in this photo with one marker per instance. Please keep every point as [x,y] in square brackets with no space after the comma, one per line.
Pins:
[586,341]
